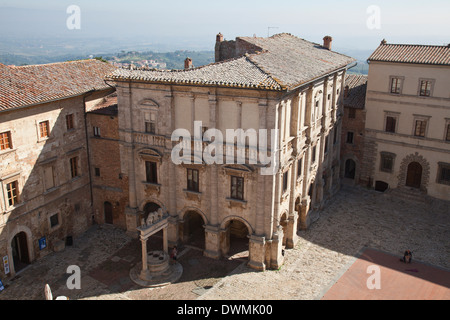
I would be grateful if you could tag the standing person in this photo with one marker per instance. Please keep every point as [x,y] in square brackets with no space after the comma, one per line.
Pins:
[407,257]
[173,255]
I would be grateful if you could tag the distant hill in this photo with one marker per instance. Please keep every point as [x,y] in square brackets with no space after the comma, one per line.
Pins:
[168,60]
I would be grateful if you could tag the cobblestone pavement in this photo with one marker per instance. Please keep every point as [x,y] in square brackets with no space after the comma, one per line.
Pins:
[353,219]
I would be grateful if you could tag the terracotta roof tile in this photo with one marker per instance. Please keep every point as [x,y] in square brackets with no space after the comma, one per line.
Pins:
[409,53]
[285,62]
[36,84]
[357,85]
[239,72]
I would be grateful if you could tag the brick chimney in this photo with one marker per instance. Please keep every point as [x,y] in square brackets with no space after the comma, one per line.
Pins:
[327,42]
[219,40]
[188,63]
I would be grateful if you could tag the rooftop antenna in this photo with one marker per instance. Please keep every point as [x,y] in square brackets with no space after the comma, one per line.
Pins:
[268,30]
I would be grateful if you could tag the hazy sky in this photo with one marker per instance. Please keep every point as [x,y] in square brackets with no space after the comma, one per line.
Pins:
[197,22]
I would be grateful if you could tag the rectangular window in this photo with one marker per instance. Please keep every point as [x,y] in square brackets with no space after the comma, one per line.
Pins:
[396,85]
[420,128]
[335,135]
[444,173]
[192,180]
[447,136]
[69,122]
[237,188]
[5,140]
[285,181]
[425,88]
[96,132]
[151,172]
[326,145]
[12,193]
[387,162]
[350,137]
[44,129]
[150,127]
[97,172]
[54,220]
[390,124]
[74,167]
[150,123]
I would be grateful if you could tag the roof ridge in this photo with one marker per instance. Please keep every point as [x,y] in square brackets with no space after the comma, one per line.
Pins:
[268,74]
[415,45]
[183,70]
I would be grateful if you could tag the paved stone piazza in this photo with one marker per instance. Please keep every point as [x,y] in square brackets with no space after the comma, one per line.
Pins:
[355,218]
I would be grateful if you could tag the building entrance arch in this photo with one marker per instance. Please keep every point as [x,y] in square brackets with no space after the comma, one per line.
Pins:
[192,230]
[20,253]
[414,175]
[235,238]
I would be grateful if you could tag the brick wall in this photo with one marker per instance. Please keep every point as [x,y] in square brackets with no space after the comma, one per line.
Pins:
[108,184]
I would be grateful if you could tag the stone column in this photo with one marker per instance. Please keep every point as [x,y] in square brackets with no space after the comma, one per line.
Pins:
[304,221]
[144,272]
[165,241]
[257,252]
[276,257]
[212,242]
[291,230]
[173,231]
[132,221]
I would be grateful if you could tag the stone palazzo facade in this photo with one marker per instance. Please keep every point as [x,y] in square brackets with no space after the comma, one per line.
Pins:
[283,83]
[407,140]
[45,181]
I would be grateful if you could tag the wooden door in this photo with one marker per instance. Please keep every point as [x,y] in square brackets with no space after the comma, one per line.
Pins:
[108,213]
[19,247]
[414,175]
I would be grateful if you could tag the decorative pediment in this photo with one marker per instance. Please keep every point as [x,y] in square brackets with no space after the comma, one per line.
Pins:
[191,161]
[150,154]
[237,169]
[149,104]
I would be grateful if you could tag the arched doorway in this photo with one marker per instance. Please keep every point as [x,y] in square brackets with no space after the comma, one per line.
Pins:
[235,242]
[414,175]
[108,210]
[19,248]
[192,230]
[350,169]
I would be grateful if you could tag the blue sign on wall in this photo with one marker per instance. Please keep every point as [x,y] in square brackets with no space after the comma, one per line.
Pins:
[1,286]
[42,243]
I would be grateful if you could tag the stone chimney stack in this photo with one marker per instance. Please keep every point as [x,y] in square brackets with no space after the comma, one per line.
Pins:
[219,40]
[327,42]
[188,63]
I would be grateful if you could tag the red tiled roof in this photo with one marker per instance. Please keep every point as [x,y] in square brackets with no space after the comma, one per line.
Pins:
[284,63]
[357,85]
[107,106]
[36,84]
[408,53]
